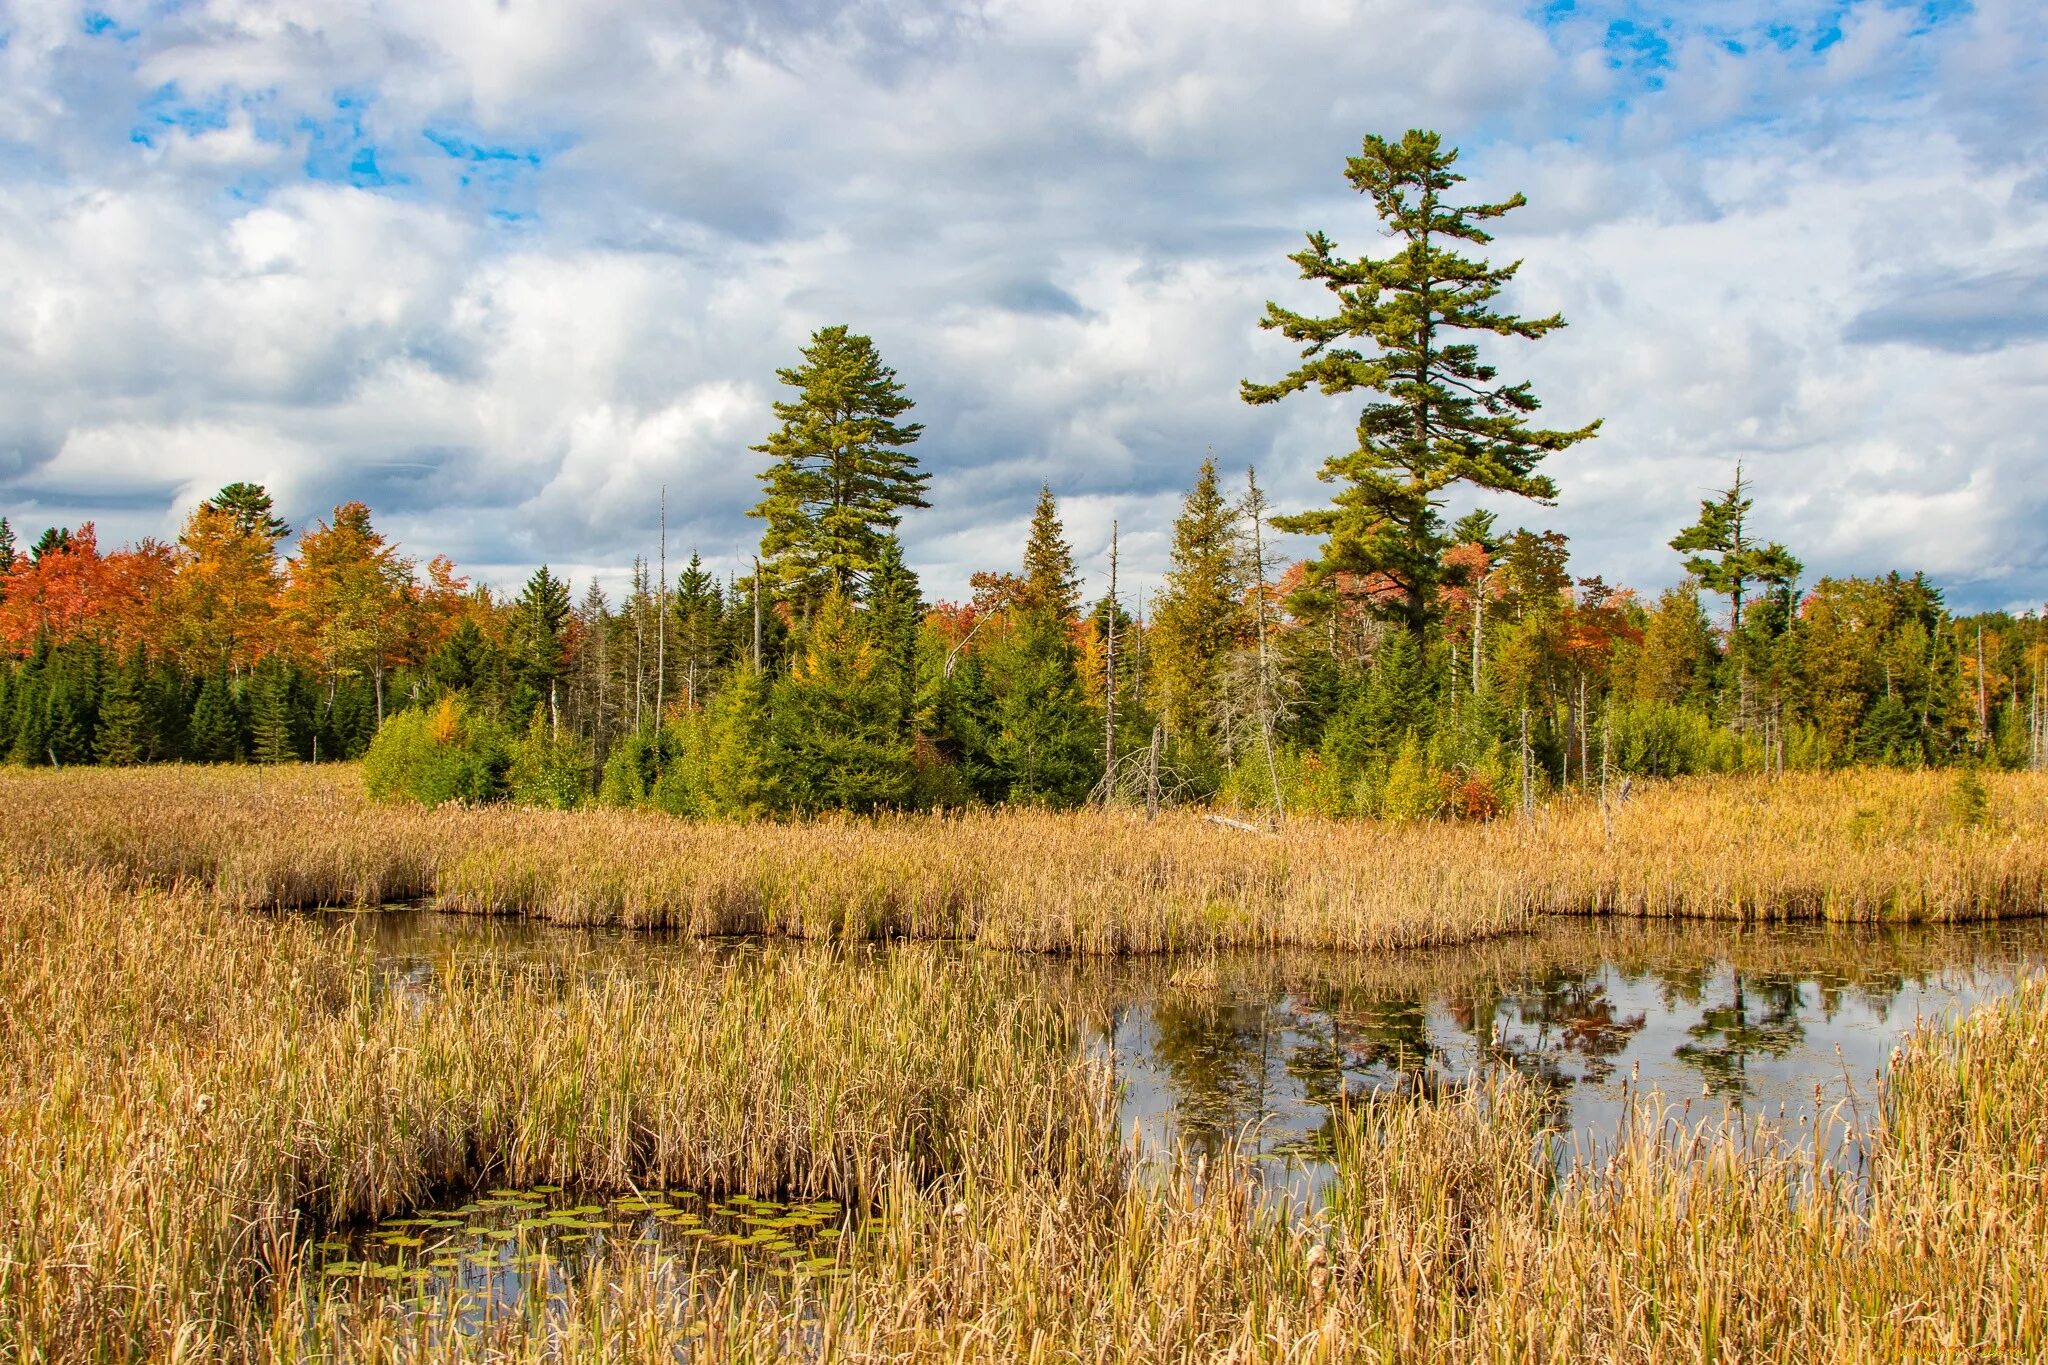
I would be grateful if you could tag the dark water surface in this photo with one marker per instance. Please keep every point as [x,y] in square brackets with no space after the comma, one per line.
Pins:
[1771,1022]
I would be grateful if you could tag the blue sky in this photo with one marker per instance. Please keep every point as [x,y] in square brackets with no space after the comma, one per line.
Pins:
[504,269]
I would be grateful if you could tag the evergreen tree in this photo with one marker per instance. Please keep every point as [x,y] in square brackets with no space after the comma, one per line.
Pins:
[6,555]
[28,725]
[214,735]
[895,608]
[541,650]
[55,540]
[1046,740]
[461,660]
[248,506]
[740,771]
[839,741]
[1725,559]
[1050,587]
[841,470]
[1045,737]
[698,625]
[270,729]
[1200,617]
[123,735]
[1440,418]
[965,728]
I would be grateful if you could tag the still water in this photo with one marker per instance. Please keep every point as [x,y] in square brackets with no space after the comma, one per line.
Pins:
[1781,1023]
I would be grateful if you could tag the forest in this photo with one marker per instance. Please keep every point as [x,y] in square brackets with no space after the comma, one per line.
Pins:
[1418,667]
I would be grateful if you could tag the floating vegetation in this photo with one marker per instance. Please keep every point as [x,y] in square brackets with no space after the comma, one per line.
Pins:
[495,1259]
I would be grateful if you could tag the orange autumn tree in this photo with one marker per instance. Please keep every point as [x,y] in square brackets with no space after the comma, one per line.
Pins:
[346,600]
[227,587]
[73,592]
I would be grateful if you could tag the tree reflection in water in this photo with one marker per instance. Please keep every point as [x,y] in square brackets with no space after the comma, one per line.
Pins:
[1277,1044]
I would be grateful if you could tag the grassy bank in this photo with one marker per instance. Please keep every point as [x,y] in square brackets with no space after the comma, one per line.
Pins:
[1855,846]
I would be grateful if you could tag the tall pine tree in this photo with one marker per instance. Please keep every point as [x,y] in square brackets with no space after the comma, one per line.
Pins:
[1437,418]
[841,470]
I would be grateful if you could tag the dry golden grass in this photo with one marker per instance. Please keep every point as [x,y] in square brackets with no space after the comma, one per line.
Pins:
[188,1089]
[1446,1239]
[1863,846]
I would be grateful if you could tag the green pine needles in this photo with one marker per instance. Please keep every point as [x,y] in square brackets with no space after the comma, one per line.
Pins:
[842,471]
[1438,417]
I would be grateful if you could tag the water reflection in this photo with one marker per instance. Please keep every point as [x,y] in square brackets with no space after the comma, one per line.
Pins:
[1261,1049]
[1781,1022]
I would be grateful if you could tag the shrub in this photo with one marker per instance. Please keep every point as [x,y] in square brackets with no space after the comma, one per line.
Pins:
[444,754]
[547,769]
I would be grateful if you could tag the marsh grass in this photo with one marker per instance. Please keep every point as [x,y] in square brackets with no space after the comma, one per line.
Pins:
[1855,846]
[190,1091]
[1447,1237]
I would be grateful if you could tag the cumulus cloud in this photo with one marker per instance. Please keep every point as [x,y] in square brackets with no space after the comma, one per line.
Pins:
[506,270]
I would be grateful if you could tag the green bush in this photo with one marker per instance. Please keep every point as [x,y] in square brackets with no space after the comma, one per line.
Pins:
[547,769]
[660,769]
[443,754]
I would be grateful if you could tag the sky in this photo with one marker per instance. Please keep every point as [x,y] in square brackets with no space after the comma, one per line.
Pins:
[504,269]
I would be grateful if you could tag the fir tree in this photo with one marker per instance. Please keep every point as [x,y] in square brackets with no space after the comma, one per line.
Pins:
[1200,617]
[54,540]
[123,736]
[1440,418]
[29,723]
[698,622]
[1045,738]
[841,470]
[1046,741]
[839,742]
[895,607]
[460,661]
[214,735]
[540,621]
[1050,587]
[6,555]
[248,505]
[740,771]
[270,729]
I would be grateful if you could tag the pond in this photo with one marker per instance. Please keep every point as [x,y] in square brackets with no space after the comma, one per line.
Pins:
[1788,1023]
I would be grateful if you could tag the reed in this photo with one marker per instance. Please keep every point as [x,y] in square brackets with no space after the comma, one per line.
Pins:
[1446,1237]
[1860,846]
[189,1091]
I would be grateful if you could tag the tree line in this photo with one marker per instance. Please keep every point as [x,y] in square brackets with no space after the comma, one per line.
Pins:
[1417,666]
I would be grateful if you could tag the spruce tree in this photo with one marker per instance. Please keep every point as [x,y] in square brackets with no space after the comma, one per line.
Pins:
[541,651]
[214,735]
[29,723]
[740,771]
[123,736]
[6,555]
[1200,617]
[249,506]
[1049,586]
[839,741]
[895,609]
[1045,739]
[1439,418]
[270,730]
[841,471]
[698,611]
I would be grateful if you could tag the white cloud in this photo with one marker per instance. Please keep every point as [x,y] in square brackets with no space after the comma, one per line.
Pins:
[1059,222]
